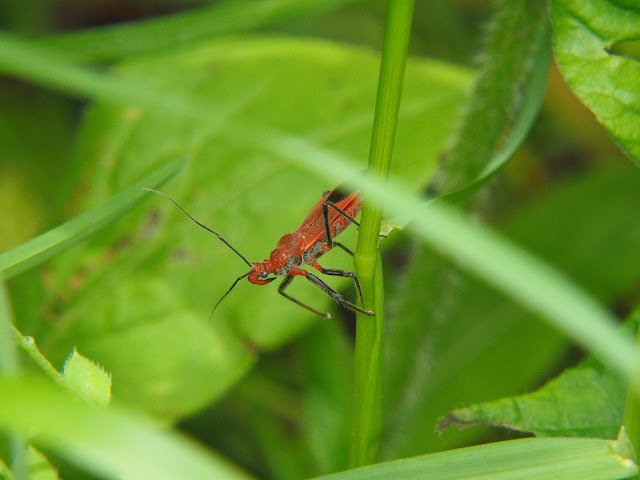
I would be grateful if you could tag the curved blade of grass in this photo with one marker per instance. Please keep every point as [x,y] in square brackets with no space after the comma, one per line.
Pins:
[181,29]
[110,442]
[54,68]
[526,459]
[483,252]
[59,239]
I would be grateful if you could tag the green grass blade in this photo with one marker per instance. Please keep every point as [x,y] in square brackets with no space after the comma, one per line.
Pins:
[59,239]
[527,459]
[367,415]
[181,29]
[484,253]
[109,442]
[55,69]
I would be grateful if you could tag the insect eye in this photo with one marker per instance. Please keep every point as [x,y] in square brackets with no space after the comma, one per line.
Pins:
[264,274]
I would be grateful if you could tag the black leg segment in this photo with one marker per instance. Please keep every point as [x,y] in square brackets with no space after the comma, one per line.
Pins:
[325,214]
[285,283]
[344,273]
[335,295]
[338,244]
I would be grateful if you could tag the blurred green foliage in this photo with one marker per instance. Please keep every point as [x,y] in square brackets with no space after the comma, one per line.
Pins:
[266,384]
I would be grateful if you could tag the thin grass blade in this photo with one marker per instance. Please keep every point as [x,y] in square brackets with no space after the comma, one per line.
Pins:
[43,247]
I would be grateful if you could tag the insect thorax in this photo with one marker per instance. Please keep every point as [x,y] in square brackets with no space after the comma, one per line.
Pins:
[310,255]
[293,261]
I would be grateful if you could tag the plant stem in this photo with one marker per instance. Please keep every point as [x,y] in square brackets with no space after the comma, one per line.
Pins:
[28,344]
[367,417]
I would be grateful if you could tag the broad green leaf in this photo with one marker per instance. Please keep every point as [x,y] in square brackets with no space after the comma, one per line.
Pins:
[51,243]
[585,401]
[526,459]
[506,96]
[87,379]
[162,272]
[589,36]
[105,441]
[182,29]
[467,343]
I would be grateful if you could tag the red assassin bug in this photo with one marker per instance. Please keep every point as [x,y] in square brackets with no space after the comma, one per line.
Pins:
[313,238]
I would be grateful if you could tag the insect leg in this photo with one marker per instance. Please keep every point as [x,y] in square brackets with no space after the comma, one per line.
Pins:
[338,244]
[325,214]
[285,283]
[340,273]
[335,295]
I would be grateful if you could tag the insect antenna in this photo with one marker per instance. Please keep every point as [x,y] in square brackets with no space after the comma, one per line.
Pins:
[227,292]
[208,230]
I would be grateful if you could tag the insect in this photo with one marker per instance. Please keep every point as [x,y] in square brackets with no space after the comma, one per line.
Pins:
[313,238]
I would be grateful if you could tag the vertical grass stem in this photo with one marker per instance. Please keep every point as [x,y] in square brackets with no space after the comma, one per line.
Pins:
[367,417]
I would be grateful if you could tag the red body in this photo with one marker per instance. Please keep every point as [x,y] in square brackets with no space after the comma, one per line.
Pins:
[309,240]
